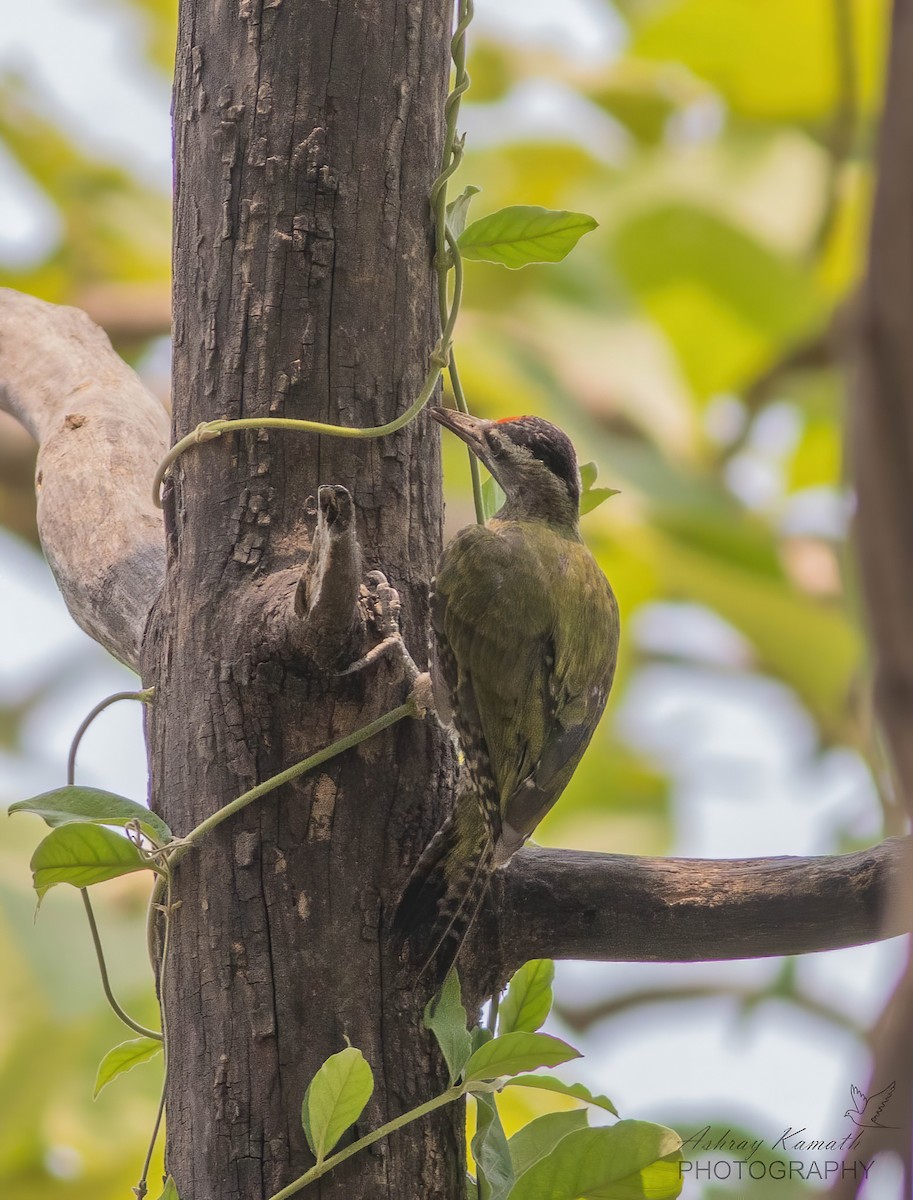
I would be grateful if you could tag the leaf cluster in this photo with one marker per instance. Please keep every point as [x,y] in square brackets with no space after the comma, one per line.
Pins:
[555,1157]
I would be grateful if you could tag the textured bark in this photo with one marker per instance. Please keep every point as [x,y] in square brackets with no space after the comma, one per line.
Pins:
[307,137]
[616,908]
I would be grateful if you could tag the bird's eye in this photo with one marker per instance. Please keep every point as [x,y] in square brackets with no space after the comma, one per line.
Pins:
[494,444]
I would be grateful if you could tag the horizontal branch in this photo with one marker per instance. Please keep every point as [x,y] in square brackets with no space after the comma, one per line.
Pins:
[615,908]
[101,435]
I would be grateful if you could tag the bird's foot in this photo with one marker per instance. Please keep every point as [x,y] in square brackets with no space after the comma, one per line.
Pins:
[380,605]
[422,694]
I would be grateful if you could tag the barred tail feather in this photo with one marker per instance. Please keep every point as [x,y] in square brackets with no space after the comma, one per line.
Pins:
[445,892]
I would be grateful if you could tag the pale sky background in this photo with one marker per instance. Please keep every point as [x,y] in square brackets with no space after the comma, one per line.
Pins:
[776,1067]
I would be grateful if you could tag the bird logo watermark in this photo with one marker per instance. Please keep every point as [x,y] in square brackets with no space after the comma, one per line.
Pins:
[867,1110]
[728,1154]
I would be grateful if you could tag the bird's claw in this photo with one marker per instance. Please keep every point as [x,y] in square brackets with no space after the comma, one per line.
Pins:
[422,694]
[381,606]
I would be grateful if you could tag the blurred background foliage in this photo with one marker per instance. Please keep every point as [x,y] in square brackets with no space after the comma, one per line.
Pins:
[692,347]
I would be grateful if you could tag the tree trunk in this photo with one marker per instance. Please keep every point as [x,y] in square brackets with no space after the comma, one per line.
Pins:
[307,137]
[880,440]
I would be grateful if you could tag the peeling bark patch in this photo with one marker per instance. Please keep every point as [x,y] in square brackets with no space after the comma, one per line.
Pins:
[74,421]
[320,825]
[281,863]
[246,848]
[303,906]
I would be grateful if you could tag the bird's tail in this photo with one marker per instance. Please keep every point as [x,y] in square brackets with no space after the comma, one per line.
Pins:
[446,890]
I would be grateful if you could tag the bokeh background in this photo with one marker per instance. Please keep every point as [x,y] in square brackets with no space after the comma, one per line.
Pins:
[692,348]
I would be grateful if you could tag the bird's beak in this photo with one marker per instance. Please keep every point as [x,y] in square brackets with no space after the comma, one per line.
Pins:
[469,429]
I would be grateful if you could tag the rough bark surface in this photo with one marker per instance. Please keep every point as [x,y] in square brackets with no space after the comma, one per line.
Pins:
[546,903]
[307,137]
[618,908]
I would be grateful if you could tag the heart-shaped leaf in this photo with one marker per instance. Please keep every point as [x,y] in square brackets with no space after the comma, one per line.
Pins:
[123,1058]
[68,804]
[523,234]
[82,855]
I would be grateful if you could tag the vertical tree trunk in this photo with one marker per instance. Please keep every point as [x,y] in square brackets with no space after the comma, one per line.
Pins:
[881,421]
[880,437]
[307,136]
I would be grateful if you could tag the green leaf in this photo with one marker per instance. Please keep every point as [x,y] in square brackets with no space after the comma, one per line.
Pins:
[593,497]
[82,855]
[577,1091]
[515,1052]
[529,997]
[495,1172]
[70,804]
[588,473]
[171,1191]
[480,1036]
[492,497]
[660,1180]
[123,1058]
[522,234]
[539,1137]
[588,1162]
[335,1099]
[458,210]
[446,1017]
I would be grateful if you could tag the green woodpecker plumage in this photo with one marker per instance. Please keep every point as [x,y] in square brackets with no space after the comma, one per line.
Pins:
[525,640]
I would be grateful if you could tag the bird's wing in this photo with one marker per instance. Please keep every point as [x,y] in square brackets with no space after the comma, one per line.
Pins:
[581,657]
[883,1096]
[527,632]
[859,1098]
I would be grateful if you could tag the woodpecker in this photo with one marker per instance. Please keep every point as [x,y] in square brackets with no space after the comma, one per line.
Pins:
[525,636]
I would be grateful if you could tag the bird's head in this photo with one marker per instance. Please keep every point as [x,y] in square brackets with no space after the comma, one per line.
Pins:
[533,461]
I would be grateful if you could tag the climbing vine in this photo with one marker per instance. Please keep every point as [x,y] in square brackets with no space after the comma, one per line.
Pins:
[558,1155]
